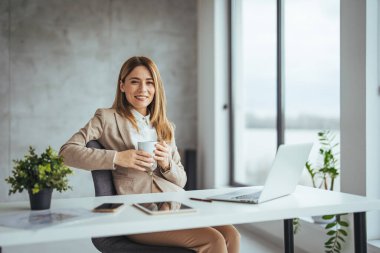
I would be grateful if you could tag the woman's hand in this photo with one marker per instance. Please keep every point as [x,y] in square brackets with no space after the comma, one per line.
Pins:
[162,155]
[134,159]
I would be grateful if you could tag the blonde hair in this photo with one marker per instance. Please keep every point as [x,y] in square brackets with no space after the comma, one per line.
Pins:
[157,107]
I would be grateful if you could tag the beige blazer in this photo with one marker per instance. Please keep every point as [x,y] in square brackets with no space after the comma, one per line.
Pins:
[113,131]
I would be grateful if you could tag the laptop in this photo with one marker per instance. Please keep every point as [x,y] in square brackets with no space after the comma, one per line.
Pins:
[282,179]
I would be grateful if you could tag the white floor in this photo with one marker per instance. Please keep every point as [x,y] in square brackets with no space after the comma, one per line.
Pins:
[249,244]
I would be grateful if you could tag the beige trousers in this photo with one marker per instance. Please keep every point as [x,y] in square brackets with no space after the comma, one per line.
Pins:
[221,239]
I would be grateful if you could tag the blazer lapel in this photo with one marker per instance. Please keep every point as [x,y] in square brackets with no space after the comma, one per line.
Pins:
[122,125]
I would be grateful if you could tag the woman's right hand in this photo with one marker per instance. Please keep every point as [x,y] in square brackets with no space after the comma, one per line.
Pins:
[134,159]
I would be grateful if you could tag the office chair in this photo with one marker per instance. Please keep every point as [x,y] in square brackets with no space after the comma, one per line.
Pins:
[104,186]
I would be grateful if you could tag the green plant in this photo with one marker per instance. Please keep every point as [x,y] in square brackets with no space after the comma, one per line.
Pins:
[296,225]
[336,230]
[329,168]
[39,172]
[326,172]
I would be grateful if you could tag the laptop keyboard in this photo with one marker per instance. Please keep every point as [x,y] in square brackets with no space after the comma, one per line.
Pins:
[251,196]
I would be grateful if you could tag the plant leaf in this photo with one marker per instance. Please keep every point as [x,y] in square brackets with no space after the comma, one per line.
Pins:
[329,241]
[331,232]
[330,225]
[343,232]
[343,223]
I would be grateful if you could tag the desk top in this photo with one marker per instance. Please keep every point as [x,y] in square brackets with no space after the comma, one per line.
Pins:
[305,201]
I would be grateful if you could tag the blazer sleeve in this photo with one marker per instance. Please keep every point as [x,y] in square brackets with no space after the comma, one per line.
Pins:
[176,174]
[76,154]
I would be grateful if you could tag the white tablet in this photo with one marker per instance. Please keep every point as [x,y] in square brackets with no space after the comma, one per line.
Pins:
[168,207]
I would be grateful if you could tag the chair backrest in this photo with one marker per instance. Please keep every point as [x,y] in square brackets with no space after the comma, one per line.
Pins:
[103,182]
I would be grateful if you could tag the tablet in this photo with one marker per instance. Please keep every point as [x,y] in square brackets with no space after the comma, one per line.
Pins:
[168,207]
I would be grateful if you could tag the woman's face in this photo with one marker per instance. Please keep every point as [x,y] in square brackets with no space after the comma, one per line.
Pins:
[139,89]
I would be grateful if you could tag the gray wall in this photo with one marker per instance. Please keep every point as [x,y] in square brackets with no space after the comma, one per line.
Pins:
[60,60]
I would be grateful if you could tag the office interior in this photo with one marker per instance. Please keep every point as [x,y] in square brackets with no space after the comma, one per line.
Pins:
[60,60]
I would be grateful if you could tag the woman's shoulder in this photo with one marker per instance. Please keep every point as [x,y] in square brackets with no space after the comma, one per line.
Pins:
[105,112]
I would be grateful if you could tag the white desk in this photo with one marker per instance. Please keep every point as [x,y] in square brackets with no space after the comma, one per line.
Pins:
[304,201]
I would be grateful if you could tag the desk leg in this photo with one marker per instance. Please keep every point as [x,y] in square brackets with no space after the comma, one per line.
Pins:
[288,236]
[360,232]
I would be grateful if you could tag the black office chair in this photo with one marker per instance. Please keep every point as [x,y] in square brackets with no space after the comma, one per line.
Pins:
[104,186]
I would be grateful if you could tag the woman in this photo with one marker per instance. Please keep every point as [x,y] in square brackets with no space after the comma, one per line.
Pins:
[139,114]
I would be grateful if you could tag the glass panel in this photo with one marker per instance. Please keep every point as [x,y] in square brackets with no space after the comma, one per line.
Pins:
[311,72]
[254,89]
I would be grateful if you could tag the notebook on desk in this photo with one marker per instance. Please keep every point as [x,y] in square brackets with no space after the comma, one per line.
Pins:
[282,179]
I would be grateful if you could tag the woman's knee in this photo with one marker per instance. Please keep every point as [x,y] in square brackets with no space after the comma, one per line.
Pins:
[229,232]
[216,242]
[234,234]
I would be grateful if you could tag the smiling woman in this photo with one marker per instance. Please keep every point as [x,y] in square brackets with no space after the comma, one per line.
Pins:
[141,88]
[139,114]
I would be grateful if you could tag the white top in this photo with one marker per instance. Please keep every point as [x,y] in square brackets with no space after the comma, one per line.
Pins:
[146,131]
[305,201]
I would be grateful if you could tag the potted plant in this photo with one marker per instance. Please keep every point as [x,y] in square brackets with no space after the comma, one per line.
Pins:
[323,175]
[39,175]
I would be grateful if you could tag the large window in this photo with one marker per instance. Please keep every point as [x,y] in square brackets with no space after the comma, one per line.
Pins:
[254,88]
[310,98]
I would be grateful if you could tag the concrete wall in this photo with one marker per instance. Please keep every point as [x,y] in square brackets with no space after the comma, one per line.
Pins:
[60,60]
[4,96]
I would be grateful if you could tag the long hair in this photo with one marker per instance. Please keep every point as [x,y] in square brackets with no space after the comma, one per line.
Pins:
[157,108]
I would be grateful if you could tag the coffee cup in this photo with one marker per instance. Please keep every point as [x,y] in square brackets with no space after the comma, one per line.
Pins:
[149,147]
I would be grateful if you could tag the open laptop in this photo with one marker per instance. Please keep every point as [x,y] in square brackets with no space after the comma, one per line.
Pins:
[282,179]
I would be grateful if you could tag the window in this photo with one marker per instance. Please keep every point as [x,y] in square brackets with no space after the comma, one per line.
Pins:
[311,79]
[311,70]
[254,88]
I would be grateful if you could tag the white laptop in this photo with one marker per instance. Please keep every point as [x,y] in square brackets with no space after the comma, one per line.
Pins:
[282,179]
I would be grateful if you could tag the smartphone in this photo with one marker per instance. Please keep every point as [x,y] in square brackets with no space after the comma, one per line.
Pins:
[108,207]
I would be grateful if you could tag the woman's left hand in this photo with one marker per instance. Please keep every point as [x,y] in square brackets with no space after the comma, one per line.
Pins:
[162,155]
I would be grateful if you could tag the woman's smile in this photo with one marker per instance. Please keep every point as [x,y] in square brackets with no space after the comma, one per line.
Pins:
[141,97]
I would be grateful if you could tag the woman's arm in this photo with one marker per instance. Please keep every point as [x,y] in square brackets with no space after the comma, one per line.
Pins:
[76,154]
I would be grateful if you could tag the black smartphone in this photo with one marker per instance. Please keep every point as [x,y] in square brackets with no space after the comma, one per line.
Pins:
[108,207]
